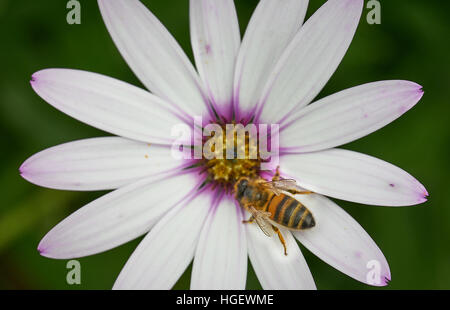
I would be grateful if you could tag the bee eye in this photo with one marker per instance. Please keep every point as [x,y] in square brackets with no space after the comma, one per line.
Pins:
[242,186]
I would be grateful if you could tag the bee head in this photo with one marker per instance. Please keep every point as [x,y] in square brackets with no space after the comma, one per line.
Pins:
[240,187]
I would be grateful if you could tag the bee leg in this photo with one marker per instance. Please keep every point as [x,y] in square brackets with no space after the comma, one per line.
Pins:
[249,221]
[280,236]
[276,176]
[296,192]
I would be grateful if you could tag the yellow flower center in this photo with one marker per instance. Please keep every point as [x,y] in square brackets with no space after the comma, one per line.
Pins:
[234,155]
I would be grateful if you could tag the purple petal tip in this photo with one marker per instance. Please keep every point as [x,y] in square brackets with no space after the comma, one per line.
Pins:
[43,251]
[40,250]
[22,170]
[420,92]
[423,196]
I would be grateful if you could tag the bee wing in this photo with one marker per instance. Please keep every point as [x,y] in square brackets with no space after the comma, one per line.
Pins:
[265,226]
[272,187]
[261,220]
[283,185]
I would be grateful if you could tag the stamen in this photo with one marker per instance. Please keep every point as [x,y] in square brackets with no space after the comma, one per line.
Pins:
[223,172]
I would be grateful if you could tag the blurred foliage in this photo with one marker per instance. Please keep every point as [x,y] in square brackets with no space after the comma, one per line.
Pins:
[411,43]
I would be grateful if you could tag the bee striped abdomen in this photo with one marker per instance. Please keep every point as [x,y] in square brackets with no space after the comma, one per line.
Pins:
[289,212]
[302,219]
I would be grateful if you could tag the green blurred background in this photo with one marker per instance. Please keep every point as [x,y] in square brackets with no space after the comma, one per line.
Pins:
[411,43]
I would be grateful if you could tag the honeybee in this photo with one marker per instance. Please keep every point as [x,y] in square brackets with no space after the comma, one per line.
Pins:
[267,204]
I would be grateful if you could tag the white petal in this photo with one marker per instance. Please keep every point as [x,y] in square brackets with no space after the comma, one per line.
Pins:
[349,115]
[97,164]
[106,103]
[276,271]
[354,177]
[115,218]
[271,28]
[153,54]
[341,242]
[221,258]
[215,40]
[311,58]
[168,248]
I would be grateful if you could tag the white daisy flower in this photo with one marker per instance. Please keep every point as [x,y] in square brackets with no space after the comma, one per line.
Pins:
[183,207]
